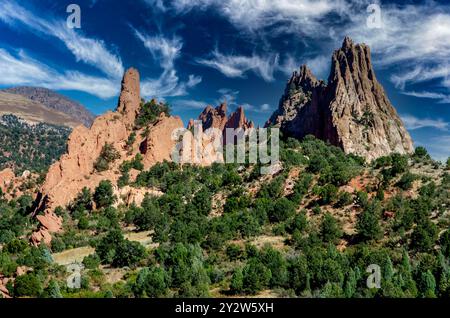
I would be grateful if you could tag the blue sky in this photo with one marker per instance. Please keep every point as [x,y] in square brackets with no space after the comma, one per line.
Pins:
[197,52]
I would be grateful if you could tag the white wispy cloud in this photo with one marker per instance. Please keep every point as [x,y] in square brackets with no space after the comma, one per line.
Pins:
[443,98]
[193,80]
[413,37]
[413,40]
[189,103]
[319,65]
[256,15]
[21,69]
[165,51]
[412,123]
[265,108]
[87,50]
[236,66]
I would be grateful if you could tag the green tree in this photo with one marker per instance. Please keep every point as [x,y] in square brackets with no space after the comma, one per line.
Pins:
[104,194]
[406,181]
[399,164]
[128,254]
[282,210]
[424,235]
[149,113]
[327,193]
[83,201]
[28,285]
[106,248]
[108,155]
[330,230]
[237,281]
[421,153]
[151,282]
[444,242]
[298,271]
[256,276]
[368,224]
[277,265]
[427,285]
[53,290]
[448,164]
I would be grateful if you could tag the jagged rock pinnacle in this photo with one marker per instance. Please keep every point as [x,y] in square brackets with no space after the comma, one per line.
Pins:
[352,111]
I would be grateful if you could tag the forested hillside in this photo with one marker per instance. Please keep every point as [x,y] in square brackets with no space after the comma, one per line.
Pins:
[310,230]
[33,147]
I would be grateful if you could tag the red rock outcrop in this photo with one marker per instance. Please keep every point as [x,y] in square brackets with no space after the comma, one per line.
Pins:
[75,169]
[214,117]
[214,123]
[130,96]
[159,145]
[238,120]
[3,290]
[11,185]
[6,179]
[352,111]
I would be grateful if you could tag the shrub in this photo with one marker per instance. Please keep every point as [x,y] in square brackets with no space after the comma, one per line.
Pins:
[107,156]
[282,210]
[421,153]
[424,236]
[234,252]
[327,193]
[150,112]
[344,199]
[104,194]
[406,181]
[151,282]
[329,229]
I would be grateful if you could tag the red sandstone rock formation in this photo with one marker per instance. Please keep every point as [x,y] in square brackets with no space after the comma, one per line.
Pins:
[75,169]
[3,290]
[6,178]
[217,118]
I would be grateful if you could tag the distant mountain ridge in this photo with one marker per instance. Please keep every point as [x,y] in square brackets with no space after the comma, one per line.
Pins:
[34,111]
[55,101]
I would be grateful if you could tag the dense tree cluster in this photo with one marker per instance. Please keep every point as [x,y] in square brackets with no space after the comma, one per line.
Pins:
[40,145]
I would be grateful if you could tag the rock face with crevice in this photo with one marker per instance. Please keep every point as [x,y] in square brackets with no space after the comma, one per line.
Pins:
[352,111]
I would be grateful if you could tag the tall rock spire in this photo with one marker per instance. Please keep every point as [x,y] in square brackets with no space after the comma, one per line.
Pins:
[352,111]
[130,96]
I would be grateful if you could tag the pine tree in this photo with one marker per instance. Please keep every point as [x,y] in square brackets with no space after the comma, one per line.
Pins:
[53,290]
[350,284]
[428,285]
[237,281]
[368,224]
[389,270]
